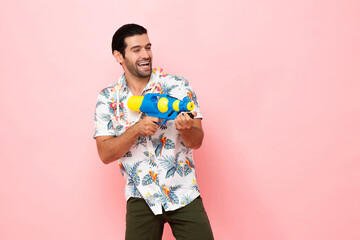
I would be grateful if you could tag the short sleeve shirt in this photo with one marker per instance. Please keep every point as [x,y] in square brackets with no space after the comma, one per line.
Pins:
[159,168]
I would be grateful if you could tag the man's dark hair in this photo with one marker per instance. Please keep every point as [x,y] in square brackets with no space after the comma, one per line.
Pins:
[128,30]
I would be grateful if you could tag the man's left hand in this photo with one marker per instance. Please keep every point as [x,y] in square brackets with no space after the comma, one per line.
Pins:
[184,122]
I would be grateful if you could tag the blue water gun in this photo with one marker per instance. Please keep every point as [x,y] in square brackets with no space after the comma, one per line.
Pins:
[161,106]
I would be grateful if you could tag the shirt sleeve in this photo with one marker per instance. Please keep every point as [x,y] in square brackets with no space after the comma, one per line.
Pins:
[103,122]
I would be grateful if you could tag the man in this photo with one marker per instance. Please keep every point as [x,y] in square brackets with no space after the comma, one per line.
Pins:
[156,160]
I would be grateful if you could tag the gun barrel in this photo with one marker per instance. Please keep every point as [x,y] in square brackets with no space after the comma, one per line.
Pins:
[160,105]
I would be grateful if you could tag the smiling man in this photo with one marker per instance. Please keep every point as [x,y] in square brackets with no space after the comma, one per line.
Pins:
[157,162]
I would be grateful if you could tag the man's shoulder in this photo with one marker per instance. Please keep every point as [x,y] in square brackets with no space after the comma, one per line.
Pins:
[177,80]
[160,72]
[166,77]
[109,90]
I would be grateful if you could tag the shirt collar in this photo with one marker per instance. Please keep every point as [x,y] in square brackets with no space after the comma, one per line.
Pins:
[122,86]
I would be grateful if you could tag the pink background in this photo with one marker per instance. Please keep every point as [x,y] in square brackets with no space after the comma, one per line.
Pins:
[278,82]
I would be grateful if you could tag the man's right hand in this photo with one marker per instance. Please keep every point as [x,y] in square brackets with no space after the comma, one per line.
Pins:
[147,126]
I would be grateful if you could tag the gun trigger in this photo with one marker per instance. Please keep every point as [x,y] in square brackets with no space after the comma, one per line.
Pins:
[191,115]
[171,113]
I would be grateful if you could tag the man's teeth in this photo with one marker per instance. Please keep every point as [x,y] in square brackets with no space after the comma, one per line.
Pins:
[143,64]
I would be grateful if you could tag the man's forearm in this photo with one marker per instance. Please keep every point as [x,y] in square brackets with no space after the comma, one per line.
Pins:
[193,137]
[113,148]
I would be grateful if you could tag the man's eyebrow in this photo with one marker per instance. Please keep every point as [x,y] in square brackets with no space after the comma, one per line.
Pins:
[137,46]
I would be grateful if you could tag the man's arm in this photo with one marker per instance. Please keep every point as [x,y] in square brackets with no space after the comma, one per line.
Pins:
[190,130]
[111,148]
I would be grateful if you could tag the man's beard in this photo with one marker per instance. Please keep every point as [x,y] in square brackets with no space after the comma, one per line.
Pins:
[135,69]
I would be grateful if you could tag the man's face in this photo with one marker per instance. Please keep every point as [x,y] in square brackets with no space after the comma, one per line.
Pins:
[138,56]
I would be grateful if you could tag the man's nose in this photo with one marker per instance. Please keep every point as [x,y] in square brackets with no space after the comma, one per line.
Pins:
[144,53]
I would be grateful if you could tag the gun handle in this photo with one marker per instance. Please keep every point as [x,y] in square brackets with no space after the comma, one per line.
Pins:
[191,115]
[163,121]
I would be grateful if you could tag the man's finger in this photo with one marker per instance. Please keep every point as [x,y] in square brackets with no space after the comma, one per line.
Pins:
[154,119]
[194,113]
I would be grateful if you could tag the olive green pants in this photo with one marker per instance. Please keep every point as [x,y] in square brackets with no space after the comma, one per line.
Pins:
[187,223]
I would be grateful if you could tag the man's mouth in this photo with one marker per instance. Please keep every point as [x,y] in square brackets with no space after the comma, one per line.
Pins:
[144,65]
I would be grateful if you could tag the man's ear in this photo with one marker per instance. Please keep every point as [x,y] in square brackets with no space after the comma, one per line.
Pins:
[118,56]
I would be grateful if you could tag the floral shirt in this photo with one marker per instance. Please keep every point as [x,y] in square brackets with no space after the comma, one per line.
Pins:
[158,168]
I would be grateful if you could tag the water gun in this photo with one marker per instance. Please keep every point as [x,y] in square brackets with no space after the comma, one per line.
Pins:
[161,106]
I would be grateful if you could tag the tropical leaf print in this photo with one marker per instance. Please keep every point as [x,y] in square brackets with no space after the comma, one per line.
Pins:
[179,169]
[161,198]
[168,124]
[167,162]
[132,169]
[128,154]
[150,201]
[136,180]
[173,198]
[140,141]
[133,172]
[172,165]
[130,182]
[165,205]
[170,172]
[150,178]
[150,158]
[133,186]
[184,148]
[195,186]
[167,88]
[152,161]
[169,144]
[156,141]
[187,170]
[105,92]
[105,117]
[186,82]
[170,193]
[99,103]
[121,100]
[119,127]
[147,180]
[185,200]
[110,125]
[164,126]
[175,187]
[181,79]
[147,153]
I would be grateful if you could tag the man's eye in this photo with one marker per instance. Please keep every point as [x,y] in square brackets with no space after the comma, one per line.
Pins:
[136,50]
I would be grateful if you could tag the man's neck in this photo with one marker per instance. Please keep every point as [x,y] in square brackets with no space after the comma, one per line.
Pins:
[136,84]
